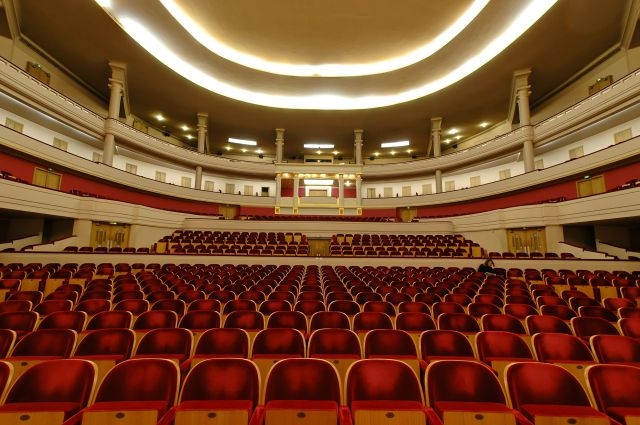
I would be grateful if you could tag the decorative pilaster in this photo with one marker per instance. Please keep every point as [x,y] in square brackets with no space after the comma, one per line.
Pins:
[109,147]
[523,90]
[358,145]
[279,144]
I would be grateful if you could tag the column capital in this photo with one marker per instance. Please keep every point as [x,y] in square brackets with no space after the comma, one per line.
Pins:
[522,75]
[436,124]
[358,132]
[280,133]
[203,117]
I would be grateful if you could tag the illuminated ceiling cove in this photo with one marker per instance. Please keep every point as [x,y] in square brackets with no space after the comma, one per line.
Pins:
[208,44]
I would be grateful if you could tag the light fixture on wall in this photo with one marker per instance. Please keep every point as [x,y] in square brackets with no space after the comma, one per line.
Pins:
[397,144]
[242,141]
[318,145]
[318,182]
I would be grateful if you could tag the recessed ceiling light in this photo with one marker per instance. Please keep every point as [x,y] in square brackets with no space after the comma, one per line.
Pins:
[394,144]
[189,136]
[446,141]
[159,117]
[458,137]
[484,124]
[319,146]
[243,150]
[228,148]
[393,152]
[336,152]
[376,153]
[184,127]
[242,141]
[453,131]
[259,151]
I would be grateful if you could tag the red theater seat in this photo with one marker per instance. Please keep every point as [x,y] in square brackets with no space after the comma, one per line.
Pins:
[379,389]
[226,389]
[49,392]
[543,390]
[459,389]
[302,388]
[615,389]
[138,390]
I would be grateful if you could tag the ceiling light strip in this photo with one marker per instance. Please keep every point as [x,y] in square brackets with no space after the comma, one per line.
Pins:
[527,17]
[323,70]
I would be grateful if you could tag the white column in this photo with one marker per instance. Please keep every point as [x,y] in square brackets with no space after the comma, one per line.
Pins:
[202,137]
[198,183]
[523,89]
[358,189]
[279,144]
[438,181]
[436,134]
[340,190]
[115,97]
[278,188]
[203,117]
[296,186]
[358,145]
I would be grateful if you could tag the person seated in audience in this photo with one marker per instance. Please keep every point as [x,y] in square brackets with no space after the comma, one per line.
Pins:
[487,267]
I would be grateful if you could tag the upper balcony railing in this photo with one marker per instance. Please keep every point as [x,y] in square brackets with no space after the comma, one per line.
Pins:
[18,83]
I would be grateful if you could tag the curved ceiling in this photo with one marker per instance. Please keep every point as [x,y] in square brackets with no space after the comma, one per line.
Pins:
[392,104]
[332,38]
[400,74]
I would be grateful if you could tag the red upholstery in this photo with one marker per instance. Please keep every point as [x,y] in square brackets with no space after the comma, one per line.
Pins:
[15,305]
[154,319]
[200,320]
[63,385]
[616,349]
[329,319]
[543,389]
[334,342]
[615,389]
[22,322]
[443,344]
[247,320]
[383,385]
[110,319]
[556,347]
[223,342]
[467,386]
[300,384]
[8,338]
[414,321]
[499,345]
[538,323]
[45,344]
[168,343]
[278,343]
[64,320]
[137,384]
[219,384]
[288,319]
[116,344]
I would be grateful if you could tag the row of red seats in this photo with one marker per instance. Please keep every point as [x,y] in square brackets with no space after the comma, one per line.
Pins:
[200,315]
[373,386]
